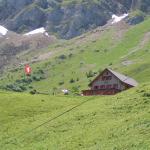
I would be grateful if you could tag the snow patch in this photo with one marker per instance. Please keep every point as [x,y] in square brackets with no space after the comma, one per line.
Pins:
[118,18]
[36,31]
[3,30]
[46,34]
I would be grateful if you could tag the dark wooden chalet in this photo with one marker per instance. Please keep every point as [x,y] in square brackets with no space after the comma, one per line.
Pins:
[109,82]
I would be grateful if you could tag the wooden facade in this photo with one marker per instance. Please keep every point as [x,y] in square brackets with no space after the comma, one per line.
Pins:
[109,82]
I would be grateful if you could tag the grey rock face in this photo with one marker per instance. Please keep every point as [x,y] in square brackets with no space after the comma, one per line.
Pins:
[135,20]
[66,21]
[76,19]
[30,18]
[145,6]
[9,8]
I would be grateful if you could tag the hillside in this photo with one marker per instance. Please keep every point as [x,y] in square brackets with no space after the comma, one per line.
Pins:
[12,44]
[67,43]
[120,47]
[64,18]
[117,122]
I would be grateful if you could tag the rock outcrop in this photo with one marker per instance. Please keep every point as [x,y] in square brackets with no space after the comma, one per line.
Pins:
[63,18]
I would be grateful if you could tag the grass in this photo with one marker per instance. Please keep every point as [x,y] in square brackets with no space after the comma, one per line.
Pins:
[94,51]
[104,122]
[115,122]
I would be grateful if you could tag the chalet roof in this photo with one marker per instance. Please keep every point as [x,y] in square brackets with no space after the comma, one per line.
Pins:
[124,78]
[121,77]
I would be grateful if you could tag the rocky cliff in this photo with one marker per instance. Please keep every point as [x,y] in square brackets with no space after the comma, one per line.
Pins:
[64,18]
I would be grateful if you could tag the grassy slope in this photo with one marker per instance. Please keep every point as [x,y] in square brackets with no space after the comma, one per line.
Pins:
[117,122]
[92,51]
[109,52]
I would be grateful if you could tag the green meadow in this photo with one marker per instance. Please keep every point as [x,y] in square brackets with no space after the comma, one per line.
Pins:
[40,122]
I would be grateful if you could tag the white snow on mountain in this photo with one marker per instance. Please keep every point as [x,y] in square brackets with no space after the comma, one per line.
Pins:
[37,31]
[116,18]
[3,30]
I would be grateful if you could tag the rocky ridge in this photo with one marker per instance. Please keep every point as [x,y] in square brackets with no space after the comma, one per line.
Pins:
[65,19]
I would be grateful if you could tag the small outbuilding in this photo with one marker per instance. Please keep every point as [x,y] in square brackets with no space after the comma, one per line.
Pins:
[109,82]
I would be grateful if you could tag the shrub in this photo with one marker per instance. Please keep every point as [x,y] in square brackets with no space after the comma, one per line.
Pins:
[75,90]
[90,74]
[105,50]
[16,88]
[19,81]
[77,79]
[81,51]
[36,78]
[81,63]
[110,64]
[72,80]
[40,71]
[97,51]
[146,94]
[23,88]
[70,55]
[71,49]
[27,80]
[30,87]
[61,83]
[62,57]
[33,92]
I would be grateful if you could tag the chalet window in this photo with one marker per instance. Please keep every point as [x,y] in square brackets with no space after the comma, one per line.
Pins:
[106,78]
[95,87]
[115,86]
[109,86]
[109,77]
[102,86]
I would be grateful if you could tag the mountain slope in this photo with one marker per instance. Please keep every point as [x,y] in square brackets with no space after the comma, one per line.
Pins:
[64,18]
[12,44]
[120,47]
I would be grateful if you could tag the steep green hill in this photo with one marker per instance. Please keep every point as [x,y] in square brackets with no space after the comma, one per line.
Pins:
[117,122]
[74,63]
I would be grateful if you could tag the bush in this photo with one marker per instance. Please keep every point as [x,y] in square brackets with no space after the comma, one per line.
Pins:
[40,71]
[33,92]
[72,80]
[16,88]
[62,57]
[61,83]
[70,55]
[110,64]
[90,74]
[23,88]
[81,51]
[19,81]
[146,94]
[75,90]
[24,80]
[36,78]
[30,87]
[97,51]
[27,80]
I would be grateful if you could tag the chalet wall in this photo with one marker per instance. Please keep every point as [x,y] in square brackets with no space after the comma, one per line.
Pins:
[108,80]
